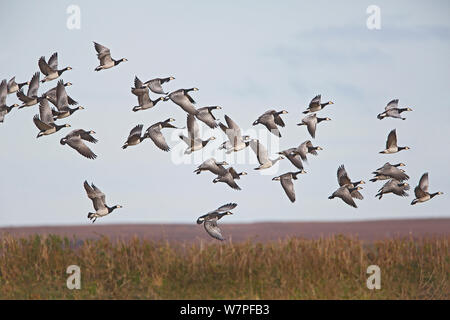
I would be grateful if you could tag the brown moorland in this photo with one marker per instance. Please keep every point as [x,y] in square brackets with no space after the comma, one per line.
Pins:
[291,261]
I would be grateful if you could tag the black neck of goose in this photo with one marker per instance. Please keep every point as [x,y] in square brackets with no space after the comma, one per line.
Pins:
[324,104]
[320,119]
[59,127]
[401,148]
[116,62]
[433,194]
[356,183]
[62,70]
[111,209]
[190,89]
[220,215]
[72,110]
[168,125]
[22,84]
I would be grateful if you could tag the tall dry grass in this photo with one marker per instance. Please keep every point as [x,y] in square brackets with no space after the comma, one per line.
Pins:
[332,268]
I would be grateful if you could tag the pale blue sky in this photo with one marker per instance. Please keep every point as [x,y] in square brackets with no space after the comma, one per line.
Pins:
[247,57]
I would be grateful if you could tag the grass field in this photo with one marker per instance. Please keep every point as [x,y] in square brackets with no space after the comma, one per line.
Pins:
[329,268]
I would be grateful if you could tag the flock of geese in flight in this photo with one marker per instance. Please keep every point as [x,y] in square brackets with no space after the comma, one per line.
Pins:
[347,191]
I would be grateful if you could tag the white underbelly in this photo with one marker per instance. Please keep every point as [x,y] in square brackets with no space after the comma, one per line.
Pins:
[49,131]
[108,65]
[63,115]
[52,76]
[147,106]
[392,150]
[102,212]
[13,89]
[197,146]
[266,165]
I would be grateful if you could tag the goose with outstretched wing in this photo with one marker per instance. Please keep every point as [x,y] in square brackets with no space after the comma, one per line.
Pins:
[210,219]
